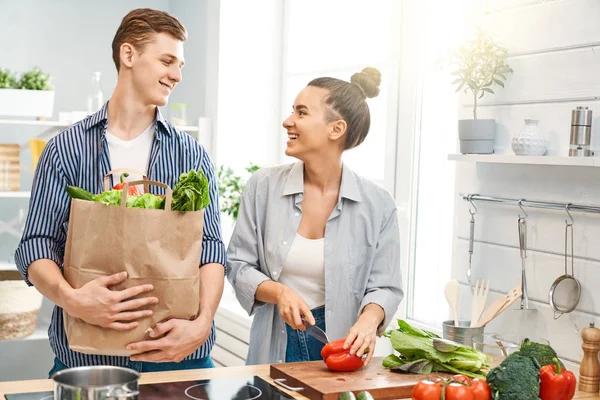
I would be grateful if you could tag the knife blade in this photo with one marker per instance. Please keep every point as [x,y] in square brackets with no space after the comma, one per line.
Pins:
[316,332]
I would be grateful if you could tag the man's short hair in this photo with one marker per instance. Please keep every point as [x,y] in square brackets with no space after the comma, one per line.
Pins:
[139,26]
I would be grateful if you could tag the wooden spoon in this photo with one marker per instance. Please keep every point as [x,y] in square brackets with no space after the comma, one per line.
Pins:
[452,290]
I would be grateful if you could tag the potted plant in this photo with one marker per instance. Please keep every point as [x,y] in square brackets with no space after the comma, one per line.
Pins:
[231,187]
[178,116]
[8,80]
[480,65]
[30,96]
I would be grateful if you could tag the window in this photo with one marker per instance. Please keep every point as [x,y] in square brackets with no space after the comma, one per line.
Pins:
[337,38]
[435,30]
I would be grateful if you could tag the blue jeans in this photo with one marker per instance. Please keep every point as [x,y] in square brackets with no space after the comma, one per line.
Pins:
[303,347]
[143,366]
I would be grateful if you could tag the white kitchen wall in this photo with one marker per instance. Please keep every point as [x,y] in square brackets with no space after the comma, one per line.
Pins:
[553,48]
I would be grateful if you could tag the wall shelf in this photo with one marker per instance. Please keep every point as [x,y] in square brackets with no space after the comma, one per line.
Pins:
[528,160]
[15,194]
[7,266]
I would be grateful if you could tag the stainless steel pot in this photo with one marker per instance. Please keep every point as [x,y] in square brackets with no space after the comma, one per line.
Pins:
[96,383]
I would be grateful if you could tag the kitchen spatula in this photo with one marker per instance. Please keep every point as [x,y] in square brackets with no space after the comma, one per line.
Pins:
[499,305]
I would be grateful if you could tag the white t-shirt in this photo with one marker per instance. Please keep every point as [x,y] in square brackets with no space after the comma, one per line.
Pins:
[131,154]
[304,270]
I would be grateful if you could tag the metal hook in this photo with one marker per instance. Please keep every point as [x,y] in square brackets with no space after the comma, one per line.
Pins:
[521,207]
[470,200]
[569,214]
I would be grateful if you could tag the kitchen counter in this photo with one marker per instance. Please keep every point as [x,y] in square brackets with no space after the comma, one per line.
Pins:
[179,376]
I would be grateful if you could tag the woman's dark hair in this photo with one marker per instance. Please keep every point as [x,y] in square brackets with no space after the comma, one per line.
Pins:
[347,101]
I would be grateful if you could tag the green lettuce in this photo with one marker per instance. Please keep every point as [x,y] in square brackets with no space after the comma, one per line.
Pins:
[419,355]
[191,192]
[110,197]
[147,200]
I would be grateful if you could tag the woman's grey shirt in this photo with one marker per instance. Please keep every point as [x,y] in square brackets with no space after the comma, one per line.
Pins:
[362,253]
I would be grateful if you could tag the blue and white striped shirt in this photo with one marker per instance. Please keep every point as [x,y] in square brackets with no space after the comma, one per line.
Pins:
[79,156]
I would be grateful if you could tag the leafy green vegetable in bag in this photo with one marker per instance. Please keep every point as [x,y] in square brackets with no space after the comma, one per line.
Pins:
[191,192]
[147,200]
[110,197]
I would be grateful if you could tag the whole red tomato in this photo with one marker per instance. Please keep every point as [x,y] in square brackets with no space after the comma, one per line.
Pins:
[427,390]
[462,379]
[480,389]
[459,387]
[458,391]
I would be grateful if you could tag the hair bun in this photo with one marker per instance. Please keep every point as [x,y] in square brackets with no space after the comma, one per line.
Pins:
[368,80]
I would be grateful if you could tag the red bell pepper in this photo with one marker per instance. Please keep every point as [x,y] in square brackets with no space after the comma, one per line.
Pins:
[556,383]
[338,359]
[132,190]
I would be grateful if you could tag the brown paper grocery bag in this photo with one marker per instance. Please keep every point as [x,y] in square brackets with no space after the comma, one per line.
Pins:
[161,247]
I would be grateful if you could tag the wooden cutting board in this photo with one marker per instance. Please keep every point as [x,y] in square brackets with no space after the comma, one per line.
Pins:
[314,380]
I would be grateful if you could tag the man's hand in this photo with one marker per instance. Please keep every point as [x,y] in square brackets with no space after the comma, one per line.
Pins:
[182,338]
[96,304]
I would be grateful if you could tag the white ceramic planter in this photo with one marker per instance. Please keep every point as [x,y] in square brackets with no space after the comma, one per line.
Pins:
[477,136]
[26,103]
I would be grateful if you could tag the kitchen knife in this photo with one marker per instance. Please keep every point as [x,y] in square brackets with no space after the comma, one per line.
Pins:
[316,332]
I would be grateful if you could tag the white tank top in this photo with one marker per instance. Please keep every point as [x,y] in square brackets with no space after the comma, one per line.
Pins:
[304,270]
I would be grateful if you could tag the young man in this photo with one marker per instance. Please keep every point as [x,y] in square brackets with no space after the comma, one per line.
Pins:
[128,132]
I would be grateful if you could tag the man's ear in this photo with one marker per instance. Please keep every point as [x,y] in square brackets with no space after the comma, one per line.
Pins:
[127,54]
[338,129]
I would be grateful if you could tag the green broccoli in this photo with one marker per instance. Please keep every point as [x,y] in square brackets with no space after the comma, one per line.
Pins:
[541,353]
[516,378]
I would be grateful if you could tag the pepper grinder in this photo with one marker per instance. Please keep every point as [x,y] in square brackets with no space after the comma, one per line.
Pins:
[581,132]
[589,371]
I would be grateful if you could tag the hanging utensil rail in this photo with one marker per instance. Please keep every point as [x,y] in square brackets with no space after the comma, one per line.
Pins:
[531,203]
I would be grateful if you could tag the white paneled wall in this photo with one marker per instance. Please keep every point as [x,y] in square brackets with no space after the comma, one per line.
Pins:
[233,336]
[553,47]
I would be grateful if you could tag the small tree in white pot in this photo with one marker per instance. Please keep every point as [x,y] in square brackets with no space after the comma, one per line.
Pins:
[30,96]
[480,65]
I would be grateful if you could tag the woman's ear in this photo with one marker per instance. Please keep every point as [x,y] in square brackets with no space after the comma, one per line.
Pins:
[338,129]
[127,53]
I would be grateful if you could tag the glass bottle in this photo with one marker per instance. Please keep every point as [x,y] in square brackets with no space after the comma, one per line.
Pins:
[95,99]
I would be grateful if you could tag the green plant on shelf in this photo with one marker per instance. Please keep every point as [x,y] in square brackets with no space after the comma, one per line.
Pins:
[179,106]
[35,79]
[479,64]
[231,188]
[8,79]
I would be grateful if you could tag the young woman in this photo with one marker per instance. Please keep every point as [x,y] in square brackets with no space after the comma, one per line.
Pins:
[315,243]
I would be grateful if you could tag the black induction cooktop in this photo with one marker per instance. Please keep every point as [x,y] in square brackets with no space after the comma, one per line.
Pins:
[235,388]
